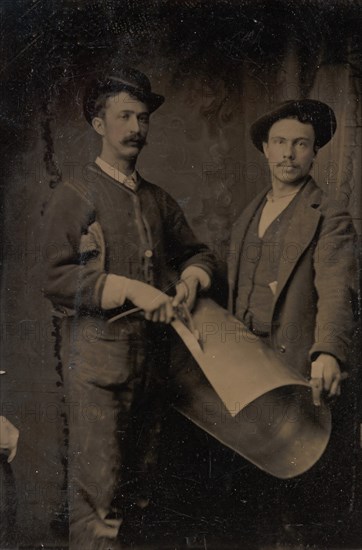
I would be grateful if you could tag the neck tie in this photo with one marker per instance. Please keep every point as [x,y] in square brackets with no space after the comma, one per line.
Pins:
[131,182]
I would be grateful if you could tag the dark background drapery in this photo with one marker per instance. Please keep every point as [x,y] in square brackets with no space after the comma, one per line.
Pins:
[220,65]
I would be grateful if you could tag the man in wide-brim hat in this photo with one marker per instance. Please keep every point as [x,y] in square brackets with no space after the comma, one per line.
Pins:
[121,243]
[292,271]
[292,277]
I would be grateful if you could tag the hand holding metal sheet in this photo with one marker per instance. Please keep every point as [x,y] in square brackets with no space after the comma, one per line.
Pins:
[9,436]
[156,304]
[186,292]
[325,375]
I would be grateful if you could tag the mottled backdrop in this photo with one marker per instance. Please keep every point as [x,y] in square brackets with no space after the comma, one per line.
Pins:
[220,64]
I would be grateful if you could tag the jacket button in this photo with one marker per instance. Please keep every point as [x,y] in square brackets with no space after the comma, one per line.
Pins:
[282,349]
[148,253]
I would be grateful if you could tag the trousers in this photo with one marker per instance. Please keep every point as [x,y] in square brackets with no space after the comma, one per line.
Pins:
[115,379]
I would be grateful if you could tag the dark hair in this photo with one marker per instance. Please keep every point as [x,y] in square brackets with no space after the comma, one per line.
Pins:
[100,104]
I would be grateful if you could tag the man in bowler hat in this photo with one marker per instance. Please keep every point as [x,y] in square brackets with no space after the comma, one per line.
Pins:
[292,269]
[122,249]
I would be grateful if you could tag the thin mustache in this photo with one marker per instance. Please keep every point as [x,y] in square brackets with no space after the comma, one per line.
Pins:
[287,165]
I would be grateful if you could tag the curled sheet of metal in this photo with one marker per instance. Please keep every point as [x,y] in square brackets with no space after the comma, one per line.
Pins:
[236,388]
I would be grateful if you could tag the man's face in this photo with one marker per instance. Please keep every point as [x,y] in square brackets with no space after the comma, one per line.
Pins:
[124,127]
[290,150]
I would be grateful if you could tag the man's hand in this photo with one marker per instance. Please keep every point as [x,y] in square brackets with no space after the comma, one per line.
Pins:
[156,304]
[186,292]
[9,436]
[325,375]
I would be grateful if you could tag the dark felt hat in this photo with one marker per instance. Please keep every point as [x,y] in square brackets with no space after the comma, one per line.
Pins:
[127,80]
[320,115]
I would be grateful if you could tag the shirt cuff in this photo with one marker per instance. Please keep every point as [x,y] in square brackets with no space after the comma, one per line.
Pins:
[200,274]
[327,349]
[114,291]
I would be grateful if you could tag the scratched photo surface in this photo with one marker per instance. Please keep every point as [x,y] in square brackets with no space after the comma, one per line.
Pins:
[220,65]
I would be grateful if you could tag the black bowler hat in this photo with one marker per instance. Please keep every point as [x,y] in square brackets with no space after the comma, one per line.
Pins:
[318,114]
[124,80]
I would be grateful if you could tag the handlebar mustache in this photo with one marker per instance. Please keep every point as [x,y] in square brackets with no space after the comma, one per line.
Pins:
[138,141]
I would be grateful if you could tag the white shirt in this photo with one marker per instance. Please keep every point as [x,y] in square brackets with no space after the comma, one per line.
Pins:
[113,172]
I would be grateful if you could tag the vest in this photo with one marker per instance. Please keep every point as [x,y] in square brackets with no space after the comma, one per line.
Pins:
[258,272]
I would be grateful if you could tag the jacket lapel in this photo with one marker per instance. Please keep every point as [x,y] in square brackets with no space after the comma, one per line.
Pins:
[299,234]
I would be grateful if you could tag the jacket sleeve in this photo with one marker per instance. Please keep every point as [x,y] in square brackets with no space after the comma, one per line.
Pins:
[182,248]
[335,281]
[72,279]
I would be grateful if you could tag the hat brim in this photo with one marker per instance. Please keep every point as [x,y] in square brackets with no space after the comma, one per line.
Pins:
[152,100]
[311,111]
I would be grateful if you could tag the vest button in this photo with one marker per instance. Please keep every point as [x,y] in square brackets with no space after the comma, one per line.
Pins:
[148,253]
[282,349]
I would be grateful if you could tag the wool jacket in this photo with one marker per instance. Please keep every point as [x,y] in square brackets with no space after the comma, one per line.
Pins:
[146,237]
[312,306]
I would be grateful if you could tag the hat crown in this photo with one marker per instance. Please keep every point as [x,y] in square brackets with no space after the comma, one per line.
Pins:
[131,78]
[311,111]
[115,81]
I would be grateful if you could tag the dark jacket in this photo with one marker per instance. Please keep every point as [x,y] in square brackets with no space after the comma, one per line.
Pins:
[312,308]
[146,237]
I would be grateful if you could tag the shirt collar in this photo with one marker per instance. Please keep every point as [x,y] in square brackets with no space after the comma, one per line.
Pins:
[130,181]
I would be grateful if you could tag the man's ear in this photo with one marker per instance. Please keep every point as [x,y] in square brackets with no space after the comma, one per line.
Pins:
[265,149]
[98,125]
